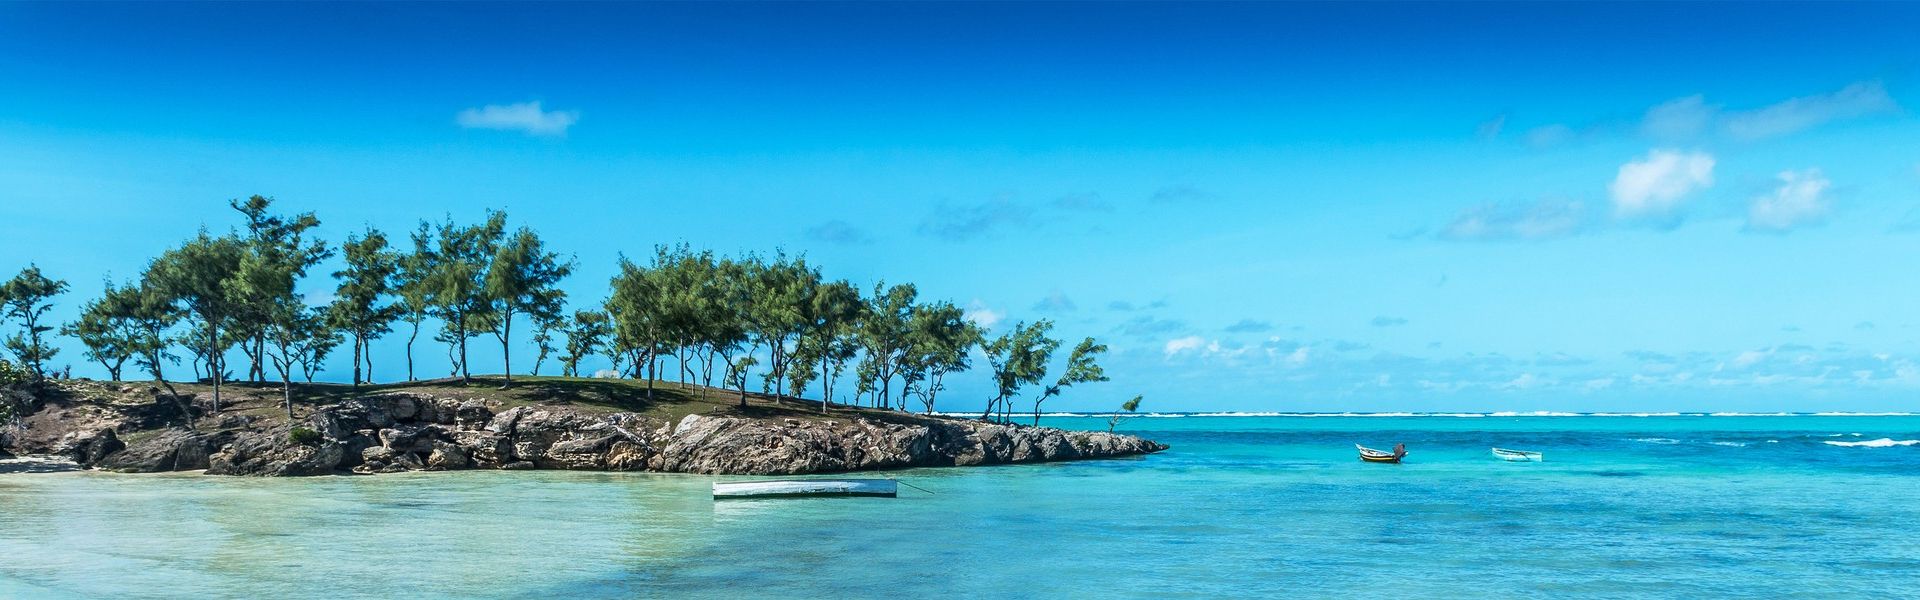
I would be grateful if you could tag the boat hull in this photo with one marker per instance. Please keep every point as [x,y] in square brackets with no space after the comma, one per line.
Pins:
[805,488]
[1517,455]
[1376,456]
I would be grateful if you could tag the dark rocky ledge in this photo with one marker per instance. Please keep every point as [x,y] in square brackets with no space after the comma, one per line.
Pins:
[412,431]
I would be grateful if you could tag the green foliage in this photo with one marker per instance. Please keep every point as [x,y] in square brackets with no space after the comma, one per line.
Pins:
[585,337]
[303,436]
[27,298]
[108,330]
[11,374]
[360,308]
[1019,359]
[1130,406]
[522,277]
[196,276]
[455,282]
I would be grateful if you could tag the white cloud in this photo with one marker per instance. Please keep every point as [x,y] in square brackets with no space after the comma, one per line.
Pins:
[1298,357]
[1185,344]
[1796,114]
[1800,200]
[1655,184]
[986,317]
[525,117]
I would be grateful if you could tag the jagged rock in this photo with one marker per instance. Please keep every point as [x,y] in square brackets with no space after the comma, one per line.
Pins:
[272,453]
[173,449]
[518,465]
[447,456]
[89,447]
[472,414]
[488,449]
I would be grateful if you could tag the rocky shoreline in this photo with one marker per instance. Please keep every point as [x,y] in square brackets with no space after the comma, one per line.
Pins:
[411,431]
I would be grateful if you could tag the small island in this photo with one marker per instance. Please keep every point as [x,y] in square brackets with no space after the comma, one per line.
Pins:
[686,335]
[539,423]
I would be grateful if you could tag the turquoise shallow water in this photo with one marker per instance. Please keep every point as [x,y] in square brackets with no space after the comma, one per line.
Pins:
[1241,506]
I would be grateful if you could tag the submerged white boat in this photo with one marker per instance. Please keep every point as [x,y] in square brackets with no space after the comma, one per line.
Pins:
[777,488]
[1517,455]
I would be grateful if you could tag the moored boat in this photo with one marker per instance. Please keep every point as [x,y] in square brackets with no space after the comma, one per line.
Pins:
[1518,455]
[788,488]
[1378,456]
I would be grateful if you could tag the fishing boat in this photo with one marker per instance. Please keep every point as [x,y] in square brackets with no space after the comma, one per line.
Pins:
[1377,456]
[1517,455]
[789,488]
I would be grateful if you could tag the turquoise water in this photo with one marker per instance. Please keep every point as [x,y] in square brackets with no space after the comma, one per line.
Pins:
[1241,506]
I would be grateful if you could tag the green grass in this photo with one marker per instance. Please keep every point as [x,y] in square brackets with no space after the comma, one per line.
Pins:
[670,401]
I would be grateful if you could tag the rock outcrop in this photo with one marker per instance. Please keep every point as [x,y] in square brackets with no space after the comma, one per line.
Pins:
[404,431]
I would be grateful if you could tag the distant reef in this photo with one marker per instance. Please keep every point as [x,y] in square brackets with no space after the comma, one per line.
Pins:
[554,424]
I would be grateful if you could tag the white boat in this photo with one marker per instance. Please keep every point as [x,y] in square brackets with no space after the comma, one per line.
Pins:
[1517,455]
[775,488]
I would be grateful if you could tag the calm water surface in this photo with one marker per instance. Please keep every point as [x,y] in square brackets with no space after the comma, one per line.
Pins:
[1797,506]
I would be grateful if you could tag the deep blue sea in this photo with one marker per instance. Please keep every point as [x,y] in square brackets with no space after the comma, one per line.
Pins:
[1242,506]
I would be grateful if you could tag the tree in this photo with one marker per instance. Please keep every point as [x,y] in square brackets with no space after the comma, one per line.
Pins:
[108,330]
[266,286]
[521,278]
[833,314]
[278,244]
[585,337]
[635,310]
[942,344]
[359,308]
[885,336]
[1130,406]
[413,275]
[781,290]
[1019,359]
[543,330]
[456,285]
[737,375]
[196,276]
[151,313]
[27,297]
[1081,368]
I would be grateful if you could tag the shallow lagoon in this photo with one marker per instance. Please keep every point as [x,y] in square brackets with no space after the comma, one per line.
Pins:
[1241,506]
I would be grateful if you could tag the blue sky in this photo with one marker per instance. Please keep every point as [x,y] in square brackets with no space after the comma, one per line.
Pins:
[1481,206]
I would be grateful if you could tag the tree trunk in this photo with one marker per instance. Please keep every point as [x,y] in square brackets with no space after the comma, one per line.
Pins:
[286,390]
[506,348]
[465,377]
[410,339]
[357,343]
[214,361]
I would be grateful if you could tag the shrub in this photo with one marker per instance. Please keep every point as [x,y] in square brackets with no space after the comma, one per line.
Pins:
[11,374]
[304,436]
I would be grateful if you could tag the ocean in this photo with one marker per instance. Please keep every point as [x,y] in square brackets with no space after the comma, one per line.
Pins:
[1263,505]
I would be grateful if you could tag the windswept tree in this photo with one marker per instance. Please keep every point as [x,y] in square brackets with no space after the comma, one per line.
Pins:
[637,315]
[544,329]
[886,333]
[412,279]
[106,327]
[196,276]
[782,290]
[27,298]
[152,313]
[276,243]
[360,308]
[522,278]
[299,341]
[1129,406]
[586,335]
[278,254]
[457,284]
[1019,359]
[834,315]
[1081,368]
[942,344]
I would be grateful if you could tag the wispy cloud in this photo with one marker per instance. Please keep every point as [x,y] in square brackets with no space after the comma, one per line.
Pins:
[525,117]
[1056,301]
[1249,326]
[838,232]
[1495,221]
[967,222]
[1083,202]
[984,315]
[1386,321]
[1652,186]
[1799,200]
[1150,327]
[1798,114]
[1181,194]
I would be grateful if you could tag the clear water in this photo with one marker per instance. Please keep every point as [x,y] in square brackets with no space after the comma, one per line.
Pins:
[1247,506]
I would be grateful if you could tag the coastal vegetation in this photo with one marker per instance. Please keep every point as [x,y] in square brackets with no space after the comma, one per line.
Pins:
[692,317]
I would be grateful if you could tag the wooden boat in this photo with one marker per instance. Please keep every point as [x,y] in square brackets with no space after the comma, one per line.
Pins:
[1377,456]
[790,488]
[1517,455]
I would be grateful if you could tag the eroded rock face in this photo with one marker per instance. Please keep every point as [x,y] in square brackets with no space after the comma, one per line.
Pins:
[403,431]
